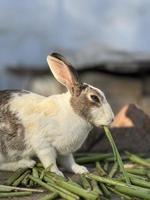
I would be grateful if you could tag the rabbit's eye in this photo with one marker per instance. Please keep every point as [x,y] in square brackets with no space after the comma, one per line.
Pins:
[95,98]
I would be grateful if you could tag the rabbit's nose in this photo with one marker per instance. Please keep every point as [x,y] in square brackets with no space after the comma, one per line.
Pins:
[112,120]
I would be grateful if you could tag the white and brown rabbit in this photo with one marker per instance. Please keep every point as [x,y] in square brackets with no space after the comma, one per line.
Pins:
[52,128]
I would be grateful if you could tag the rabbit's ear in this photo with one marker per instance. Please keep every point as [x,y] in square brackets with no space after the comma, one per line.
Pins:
[63,71]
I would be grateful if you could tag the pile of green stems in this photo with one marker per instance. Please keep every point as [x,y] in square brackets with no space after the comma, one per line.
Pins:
[104,181]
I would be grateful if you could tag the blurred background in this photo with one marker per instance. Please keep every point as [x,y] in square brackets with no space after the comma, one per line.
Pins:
[108,42]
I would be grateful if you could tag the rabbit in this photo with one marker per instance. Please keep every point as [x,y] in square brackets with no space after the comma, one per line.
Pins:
[53,127]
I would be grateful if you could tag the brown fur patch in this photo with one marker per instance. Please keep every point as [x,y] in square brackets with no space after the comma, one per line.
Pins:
[80,102]
[11,129]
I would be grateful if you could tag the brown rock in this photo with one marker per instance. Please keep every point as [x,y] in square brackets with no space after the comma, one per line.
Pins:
[131,116]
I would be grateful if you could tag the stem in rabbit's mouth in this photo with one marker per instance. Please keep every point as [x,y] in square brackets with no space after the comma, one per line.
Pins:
[117,157]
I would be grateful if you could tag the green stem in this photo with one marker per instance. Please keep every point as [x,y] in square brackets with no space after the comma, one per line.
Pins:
[132,176]
[50,188]
[51,174]
[120,194]
[25,181]
[136,159]
[19,180]
[95,187]
[39,165]
[138,171]
[113,170]
[148,175]
[116,154]
[84,154]
[111,159]
[52,196]
[14,176]
[141,183]
[74,183]
[51,183]
[74,196]
[104,180]
[11,188]
[85,183]
[15,194]
[42,174]
[134,191]
[120,186]
[31,183]
[100,170]
[35,172]
[91,159]
[76,190]
[105,190]
[106,166]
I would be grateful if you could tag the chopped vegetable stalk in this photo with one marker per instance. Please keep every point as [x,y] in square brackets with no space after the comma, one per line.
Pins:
[14,176]
[51,188]
[113,170]
[100,170]
[136,159]
[51,196]
[76,190]
[85,183]
[123,187]
[116,154]
[91,159]
[15,194]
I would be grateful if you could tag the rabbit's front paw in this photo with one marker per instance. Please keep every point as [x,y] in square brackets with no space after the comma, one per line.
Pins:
[79,169]
[56,171]
[59,173]
[26,163]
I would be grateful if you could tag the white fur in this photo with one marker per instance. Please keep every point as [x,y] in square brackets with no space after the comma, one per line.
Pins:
[51,128]
[102,115]
[62,127]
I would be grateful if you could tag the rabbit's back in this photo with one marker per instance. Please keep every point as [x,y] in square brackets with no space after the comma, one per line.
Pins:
[12,130]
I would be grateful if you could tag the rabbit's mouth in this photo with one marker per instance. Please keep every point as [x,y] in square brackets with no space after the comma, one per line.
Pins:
[108,124]
[102,116]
